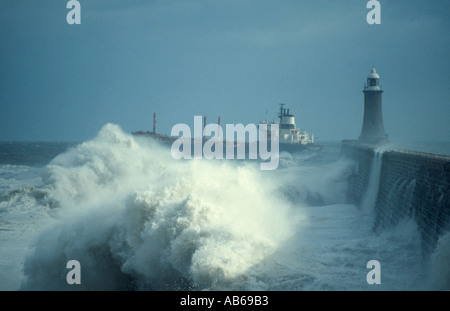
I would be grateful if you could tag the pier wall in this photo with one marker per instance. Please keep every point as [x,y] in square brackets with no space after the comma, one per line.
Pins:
[411,184]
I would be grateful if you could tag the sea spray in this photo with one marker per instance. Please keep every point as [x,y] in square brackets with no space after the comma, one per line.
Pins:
[137,219]
[310,185]
[370,196]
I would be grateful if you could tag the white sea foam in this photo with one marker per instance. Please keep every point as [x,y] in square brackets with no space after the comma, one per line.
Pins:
[129,213]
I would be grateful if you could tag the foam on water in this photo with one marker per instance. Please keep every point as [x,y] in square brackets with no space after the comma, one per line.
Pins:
[22,215]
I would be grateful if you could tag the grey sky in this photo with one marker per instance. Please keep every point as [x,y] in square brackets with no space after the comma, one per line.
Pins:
[236,59]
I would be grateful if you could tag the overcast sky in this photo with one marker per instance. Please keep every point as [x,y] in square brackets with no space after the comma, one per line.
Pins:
[237,59]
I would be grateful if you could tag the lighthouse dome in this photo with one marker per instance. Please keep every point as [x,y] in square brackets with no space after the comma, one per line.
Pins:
[373,81]
[373,74]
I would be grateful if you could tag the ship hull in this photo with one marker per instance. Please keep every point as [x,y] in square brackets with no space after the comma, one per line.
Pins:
[282,147]
[291,148]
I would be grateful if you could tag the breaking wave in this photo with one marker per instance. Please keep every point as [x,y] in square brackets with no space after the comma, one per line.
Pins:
[136,219]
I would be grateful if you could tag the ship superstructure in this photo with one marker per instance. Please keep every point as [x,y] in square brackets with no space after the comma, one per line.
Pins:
[290,136]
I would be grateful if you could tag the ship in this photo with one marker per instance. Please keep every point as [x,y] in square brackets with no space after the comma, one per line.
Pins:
[161,138]
[291,138]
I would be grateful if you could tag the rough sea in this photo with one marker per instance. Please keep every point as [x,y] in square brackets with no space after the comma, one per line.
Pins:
[136,219]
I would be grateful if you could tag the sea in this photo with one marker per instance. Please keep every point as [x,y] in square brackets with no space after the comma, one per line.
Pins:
[136,219]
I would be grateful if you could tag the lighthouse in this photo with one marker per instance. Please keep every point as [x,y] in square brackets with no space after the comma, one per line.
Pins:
[372,129]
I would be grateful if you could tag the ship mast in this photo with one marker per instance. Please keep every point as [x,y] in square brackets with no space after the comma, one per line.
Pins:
[281,112]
